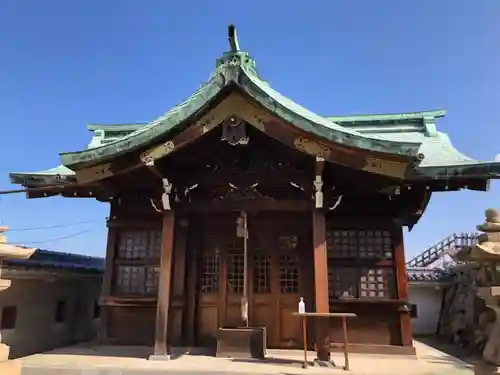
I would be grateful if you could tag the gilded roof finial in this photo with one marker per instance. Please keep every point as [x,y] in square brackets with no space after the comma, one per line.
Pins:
[233,39]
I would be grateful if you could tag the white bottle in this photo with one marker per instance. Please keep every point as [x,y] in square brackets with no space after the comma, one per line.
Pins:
[302,306]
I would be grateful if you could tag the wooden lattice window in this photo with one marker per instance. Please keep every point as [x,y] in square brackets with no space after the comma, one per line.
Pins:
[377,283]
[210,275]
[262,273]
[362,283]
[235,267]
[289,273]
[359,244]
[152,278]
[342,282]
[139,244]
[137,280]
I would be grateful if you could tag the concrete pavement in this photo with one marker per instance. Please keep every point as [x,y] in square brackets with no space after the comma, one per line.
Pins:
[73,371]
[106,360]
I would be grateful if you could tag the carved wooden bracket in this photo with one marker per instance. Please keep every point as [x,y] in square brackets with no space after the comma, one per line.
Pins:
[167,187]
[318,182]
[234,131]
[165,197]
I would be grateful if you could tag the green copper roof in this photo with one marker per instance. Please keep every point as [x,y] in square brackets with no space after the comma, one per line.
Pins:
[54,176]
[442,159]
[401,134]
[237,69]
[387,117]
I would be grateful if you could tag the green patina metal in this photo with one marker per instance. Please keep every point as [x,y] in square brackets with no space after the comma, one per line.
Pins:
[398,134]
[237,68]
[60,175]
[388,117]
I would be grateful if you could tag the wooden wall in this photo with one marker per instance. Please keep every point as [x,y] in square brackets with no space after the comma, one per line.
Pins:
[365,277]
[364,264]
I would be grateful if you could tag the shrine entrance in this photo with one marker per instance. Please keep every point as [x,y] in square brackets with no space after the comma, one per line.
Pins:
[280,271]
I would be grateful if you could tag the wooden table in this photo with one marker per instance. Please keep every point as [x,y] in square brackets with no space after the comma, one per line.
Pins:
[343,316]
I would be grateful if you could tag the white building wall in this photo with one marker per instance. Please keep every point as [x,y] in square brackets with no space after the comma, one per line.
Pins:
[428,301]
[35,328]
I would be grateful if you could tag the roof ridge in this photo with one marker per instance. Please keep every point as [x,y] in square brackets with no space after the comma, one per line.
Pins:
[102,126]
[437,113]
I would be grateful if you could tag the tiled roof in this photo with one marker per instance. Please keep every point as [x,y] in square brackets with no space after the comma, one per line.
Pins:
[59,260]
[427,274]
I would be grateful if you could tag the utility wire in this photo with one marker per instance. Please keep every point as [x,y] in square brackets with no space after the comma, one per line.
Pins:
[52,226]
[54,239]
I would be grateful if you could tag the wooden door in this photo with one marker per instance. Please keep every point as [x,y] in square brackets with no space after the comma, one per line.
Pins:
[209,288]
[221,277]
[280,273]
[262,303]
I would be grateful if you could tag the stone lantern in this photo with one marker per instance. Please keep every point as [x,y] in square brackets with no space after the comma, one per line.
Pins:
[8,252]
[485,255]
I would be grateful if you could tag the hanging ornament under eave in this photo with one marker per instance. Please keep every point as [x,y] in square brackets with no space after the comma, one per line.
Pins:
[165,197]
[234,131]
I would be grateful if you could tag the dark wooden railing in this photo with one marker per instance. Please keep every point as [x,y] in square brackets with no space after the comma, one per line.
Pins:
[450,245]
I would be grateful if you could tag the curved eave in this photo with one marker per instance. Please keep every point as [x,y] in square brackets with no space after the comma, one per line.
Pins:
[55,176]
[399,117]
[259,91]
[479,170]
[312,123]
[151,132]
[117,127]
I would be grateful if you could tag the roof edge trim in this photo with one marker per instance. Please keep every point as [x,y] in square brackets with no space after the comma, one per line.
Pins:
[333,133]
[438,113]
[116,127]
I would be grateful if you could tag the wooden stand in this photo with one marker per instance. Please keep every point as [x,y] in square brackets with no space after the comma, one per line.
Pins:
[343,316]
[241,342]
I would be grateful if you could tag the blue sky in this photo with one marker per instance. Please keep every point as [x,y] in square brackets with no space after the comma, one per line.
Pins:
[67,63]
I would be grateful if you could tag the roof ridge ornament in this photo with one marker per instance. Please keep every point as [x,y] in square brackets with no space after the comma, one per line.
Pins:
[234,60]
[233,39]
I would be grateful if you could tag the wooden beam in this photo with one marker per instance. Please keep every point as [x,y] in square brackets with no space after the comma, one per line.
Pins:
[243,178]
[321,284]
[118,301]
[164,282]
[243,205]
[134,224]
[402,285]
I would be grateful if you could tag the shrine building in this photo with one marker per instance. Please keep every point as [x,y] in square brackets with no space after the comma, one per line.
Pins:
[234,204]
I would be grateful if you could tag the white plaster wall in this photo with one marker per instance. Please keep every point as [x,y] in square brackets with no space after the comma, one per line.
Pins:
[36,330]
[428,301]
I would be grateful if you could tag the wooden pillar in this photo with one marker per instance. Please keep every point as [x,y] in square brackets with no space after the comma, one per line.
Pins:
[320,266]
[402,286]
[164,283]
[107,283]
[321,285]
